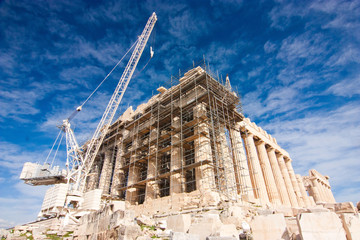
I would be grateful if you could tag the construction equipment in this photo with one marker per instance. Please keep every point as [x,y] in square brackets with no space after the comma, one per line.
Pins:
[79,160]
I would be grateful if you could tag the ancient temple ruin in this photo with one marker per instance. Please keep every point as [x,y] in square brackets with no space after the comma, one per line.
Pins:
[189,165]
[190,141]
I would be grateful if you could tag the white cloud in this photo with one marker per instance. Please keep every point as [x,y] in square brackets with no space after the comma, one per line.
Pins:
[269,47]
[326,141]
[346,87]
[6,223]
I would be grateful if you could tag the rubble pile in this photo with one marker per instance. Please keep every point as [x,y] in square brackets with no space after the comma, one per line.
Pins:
[226,221]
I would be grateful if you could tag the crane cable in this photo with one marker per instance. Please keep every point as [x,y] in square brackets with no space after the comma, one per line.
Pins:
[78,109]
[57,149]
[151,53]
[52,147]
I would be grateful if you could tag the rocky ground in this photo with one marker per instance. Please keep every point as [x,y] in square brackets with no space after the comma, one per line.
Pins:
[226,221]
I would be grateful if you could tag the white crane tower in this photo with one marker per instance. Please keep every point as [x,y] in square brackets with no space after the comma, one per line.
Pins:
[79,161]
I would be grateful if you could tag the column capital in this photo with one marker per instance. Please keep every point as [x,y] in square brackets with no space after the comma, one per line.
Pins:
[279,154]
[287,159]
[259,142]
[248,134]
[270,149]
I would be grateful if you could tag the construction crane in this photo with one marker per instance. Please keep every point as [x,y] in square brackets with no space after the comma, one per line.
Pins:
[79,161]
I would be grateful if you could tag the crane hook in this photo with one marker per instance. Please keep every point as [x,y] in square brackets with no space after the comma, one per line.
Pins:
[151,52]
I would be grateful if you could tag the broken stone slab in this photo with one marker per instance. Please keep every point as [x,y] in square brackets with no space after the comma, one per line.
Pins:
[320,226]
[129,232]
[118,205]
[287,211]
[161,223]
[143,238]
[265,211]
[269,227]
[292,227]
[145,220]
[179,223]
[245,227]
[221,238]
[210,198]
[351,224]
[183,236]
[207,225]
[233,215]
[228,230]
[345,207]
[316,209]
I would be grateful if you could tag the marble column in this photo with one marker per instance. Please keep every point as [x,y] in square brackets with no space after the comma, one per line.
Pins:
[287,180]
[110,172]
[304,195]
[294,182]
[105,172]
[119,175]
[256,173]
[176,178]
[228,165]
[131,193]
[268,174]
[205,179]
[279,180]
[331,196]
[92,179]
[152,188]
[316,191]
[244,184]
[324,189]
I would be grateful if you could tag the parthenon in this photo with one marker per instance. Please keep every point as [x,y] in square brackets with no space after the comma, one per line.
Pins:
[188,164]
[191,141]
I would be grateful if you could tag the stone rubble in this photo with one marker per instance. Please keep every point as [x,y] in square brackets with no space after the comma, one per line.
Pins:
[228,221]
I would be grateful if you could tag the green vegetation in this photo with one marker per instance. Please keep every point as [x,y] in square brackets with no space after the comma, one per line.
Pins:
[53,236]
[152,228]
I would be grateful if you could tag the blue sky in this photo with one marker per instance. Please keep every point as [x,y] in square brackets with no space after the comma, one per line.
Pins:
[295,63]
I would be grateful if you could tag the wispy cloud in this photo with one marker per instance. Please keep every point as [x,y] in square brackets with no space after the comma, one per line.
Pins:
[346,87]
[297,66]
[326,141]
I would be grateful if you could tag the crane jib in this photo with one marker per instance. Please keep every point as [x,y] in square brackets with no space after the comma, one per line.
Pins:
[107,118]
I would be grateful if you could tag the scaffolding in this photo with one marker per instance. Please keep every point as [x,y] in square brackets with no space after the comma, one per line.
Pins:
[181,142]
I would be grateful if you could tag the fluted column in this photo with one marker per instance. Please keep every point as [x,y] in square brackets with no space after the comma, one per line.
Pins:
[268,174]
[294,182]
[322,191]
[205,179]
[152,187]
[176,178]
[118,172]
[323,188]
[303,190]
[92,179]
[244,188]
[331,196]
[326,188]
[316,191]
[288,184]
[105,172]
[279,180]
[256,173]
[228,165]
[131,193]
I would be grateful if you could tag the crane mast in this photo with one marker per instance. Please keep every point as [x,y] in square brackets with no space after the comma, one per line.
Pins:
[108,116]
[80,160]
